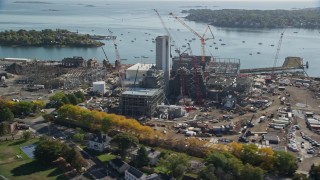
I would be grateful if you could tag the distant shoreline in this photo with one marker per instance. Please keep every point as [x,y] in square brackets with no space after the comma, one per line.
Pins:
[239,18]
[48,38]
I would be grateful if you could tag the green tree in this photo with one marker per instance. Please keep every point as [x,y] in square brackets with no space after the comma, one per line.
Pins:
[5,114]
[23,108]
[314,172]
[250,172]
[72,98]
[3,128]
[124,142]
[47,151]
[26,135]
[300,176]
[80,96]
[176,164]
[208,173]
[142,157]
[218,159]
[285,164]
[78,137]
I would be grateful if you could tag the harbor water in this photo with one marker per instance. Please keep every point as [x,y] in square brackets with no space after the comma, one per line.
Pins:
[136,25]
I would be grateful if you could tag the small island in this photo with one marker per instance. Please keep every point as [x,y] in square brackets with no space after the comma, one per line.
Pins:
[239,18]
[47,38]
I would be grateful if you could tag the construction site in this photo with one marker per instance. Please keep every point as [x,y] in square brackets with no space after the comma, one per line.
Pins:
[181,95]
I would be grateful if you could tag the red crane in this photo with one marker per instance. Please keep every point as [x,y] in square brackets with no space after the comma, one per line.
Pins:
[277,55]
[202,38]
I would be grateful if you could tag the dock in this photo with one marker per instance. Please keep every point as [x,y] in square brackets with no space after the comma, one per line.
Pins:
[290,63]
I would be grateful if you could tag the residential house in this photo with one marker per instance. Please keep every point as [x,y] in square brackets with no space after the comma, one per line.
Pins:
[135,174]
[153,155]
[99,142]
[119,165]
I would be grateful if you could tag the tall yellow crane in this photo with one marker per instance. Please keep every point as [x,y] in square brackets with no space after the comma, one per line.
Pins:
[202,38]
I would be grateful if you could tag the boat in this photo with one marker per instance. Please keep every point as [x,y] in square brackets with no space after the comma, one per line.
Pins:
[132,40]
[190,40]
[153,41]
[220,39]
[210,46]
[151,50]
[216,47]
[250,54]
[295,32]
[136,57]
[260,43]
[178,29]
[145,56]
[223,44]
[258,53]
[272,45]
[243,41]
[193,38]
[184,46]
[147,40]
[172,45]
[214,43]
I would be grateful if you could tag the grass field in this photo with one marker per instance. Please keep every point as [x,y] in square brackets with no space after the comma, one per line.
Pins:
[105,158]
[25,168]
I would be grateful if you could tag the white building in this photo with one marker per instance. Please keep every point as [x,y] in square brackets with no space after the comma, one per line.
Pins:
[99,142]
[99,86]
[138,69]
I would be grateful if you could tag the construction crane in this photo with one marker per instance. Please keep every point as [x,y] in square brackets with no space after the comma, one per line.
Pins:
[277,55]
[202,38]
[167,32]
[118,60]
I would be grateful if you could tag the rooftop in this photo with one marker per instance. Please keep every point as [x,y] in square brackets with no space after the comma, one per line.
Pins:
[141,92]
[135,172]
[142,67]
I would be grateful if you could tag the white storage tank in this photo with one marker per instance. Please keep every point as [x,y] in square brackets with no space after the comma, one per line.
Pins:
[99,86]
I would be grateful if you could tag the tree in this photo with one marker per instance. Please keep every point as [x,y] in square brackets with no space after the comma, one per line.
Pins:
[47,151]
[314,172]
[3,128]
[78,137]
[176,164]
[72,98]
[208,173]
[142,157]
[5,114]
[26,135]
[80,96]
[218,159]
[105,124]
[124,142]
[285,164]
[250,172]
[300,176]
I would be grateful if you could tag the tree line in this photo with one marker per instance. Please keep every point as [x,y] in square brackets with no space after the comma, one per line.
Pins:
[59,99]
[246,157]
[240,18]
[47,37]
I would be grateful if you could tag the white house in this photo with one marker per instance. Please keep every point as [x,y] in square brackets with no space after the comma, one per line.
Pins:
[153,155]
[99,142]
[134,174]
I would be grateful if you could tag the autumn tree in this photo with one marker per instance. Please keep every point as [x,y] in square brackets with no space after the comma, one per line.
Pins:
[124,142]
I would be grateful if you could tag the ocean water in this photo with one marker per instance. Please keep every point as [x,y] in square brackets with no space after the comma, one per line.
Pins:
[136,21]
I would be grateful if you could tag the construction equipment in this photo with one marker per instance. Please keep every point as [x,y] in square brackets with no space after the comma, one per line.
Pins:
[202,38]
[168,33]
[277,55]
[118,60]
[135,79]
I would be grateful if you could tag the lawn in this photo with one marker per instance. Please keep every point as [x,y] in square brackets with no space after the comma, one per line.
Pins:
[105,158]
[25,168]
